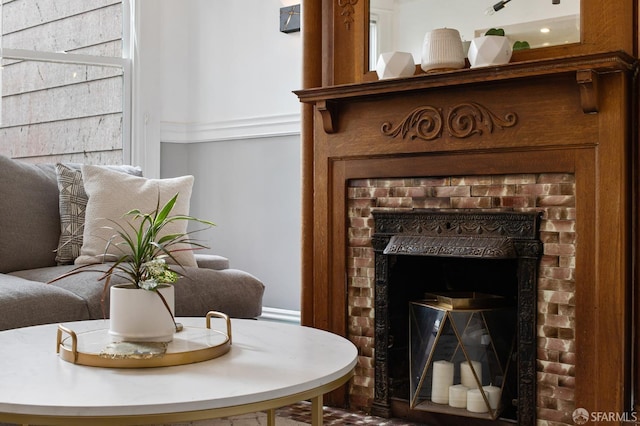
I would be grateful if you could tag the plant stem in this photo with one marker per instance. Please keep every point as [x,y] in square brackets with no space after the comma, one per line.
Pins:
[166,305]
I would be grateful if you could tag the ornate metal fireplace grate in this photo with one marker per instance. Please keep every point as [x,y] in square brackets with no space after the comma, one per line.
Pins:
[497,244]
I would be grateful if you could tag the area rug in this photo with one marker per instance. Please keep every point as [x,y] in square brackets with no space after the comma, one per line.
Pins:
[252,419]
[299,414]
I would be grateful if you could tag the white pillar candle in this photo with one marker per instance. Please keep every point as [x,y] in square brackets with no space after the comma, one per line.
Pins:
[475,401]
[442,379]
[493,395]
[466,374]
[458,396]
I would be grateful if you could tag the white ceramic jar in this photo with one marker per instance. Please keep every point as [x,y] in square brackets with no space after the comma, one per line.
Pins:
[395,65]
[489,50]
[442,50]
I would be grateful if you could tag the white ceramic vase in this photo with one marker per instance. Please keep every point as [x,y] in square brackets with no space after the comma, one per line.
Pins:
[138,315]
[395,65]
[489,50]
[442,50]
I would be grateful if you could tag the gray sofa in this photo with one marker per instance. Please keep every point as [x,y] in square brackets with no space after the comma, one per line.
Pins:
[29,235]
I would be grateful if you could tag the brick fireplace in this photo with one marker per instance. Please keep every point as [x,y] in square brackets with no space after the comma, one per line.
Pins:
[553,195]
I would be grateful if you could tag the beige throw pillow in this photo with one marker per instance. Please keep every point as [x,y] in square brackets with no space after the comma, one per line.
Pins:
[113,194]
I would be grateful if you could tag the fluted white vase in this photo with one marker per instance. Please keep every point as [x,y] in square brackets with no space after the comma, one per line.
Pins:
[442,50]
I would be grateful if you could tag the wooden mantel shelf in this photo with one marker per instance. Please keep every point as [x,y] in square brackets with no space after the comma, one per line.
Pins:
[598,63]
[586,68]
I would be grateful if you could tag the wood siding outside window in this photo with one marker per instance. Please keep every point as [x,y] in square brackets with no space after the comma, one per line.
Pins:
[56,111]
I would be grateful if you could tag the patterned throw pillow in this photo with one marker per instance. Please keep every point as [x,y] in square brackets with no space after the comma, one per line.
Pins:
[72,206]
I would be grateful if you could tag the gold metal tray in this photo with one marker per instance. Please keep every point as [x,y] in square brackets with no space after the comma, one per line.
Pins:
[191,344]
[466,300]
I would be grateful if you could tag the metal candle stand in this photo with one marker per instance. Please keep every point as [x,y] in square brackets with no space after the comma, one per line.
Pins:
[461,346]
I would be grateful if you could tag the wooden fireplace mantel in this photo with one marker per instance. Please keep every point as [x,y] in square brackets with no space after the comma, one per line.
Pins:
[565,115]
[570,109]
[598,62]
[586,69]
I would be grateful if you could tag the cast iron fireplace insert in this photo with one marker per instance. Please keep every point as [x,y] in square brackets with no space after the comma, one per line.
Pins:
[493,252]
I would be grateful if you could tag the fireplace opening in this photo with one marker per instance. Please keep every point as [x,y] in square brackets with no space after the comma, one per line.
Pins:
[424,252]
[411,278]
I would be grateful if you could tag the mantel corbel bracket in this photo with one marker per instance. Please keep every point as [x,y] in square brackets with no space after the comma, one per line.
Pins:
[588,83]
[328,112]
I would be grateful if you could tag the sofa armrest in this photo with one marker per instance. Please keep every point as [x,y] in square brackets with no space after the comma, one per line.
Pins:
[212,261]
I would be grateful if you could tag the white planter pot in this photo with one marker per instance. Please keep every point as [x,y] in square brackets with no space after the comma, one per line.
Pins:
[138,315]
[395,65]
[489,50]
[442,50]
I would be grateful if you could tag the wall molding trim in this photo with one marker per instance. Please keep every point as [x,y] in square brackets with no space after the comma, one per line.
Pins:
[242,128]
[277,314]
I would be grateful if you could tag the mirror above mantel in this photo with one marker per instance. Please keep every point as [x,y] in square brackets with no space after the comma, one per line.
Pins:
[400,25]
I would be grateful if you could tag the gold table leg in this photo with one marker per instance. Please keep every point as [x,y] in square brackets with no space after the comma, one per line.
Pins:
[316,411]
[271,417]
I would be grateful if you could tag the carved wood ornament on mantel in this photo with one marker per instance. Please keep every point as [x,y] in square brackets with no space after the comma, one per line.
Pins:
[462,120]
[347,11]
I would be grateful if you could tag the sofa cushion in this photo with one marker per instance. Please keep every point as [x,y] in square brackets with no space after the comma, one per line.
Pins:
[112,195]
[84,285]
[211,261]
[72,204]
[30,222]
[24,303]
[234,292]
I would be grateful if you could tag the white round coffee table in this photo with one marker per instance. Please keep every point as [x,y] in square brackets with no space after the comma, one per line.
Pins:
[268,366]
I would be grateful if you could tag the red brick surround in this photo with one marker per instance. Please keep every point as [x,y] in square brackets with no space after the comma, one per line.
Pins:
[552,194]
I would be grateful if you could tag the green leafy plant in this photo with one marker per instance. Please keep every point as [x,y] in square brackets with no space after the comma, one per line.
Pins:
[518,45]
[521,45]
[145,250]
[495,32]
[143,259]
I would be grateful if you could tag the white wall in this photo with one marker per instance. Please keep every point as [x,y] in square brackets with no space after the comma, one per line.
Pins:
[250,189]
[228,116]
